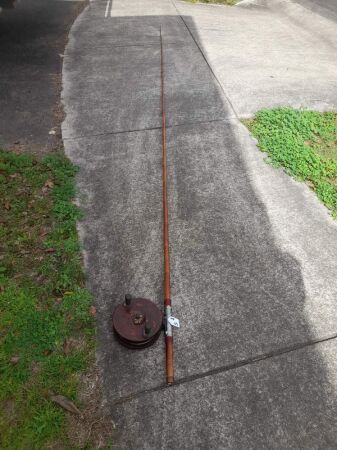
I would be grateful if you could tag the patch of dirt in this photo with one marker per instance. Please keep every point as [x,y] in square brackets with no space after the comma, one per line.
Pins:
[95,426]
[8,408]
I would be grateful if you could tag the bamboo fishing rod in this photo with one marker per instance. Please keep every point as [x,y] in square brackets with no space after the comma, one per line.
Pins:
[167,274]
[138,322]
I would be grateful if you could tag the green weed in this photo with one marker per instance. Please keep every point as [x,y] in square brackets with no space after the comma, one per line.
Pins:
[43,301]
[304,143]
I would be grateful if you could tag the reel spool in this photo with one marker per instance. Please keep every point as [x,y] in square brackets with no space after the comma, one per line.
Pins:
[137,323]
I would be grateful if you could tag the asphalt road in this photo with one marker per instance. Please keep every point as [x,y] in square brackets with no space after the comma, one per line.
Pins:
[253,252]
[32,39]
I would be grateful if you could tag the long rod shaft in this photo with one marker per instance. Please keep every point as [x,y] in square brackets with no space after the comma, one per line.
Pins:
[167,277]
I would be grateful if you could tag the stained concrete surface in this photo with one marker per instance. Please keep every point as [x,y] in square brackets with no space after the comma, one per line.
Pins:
[132,101]
[252,251]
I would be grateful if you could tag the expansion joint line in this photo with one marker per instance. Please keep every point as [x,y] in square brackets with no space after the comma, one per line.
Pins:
[226,368]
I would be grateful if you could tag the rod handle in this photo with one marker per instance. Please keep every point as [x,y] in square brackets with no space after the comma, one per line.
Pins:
[169,360]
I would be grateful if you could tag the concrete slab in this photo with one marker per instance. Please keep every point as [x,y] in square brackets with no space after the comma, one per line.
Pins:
[252,251]
[98,28]
[191,92]
[113,91]
[120,188]
[237,288]
[119,90]
[142,8]
[279,55]
[238,293]
[287,402]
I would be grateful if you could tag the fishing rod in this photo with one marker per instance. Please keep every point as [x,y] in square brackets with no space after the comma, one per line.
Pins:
[137,323]
[166,246]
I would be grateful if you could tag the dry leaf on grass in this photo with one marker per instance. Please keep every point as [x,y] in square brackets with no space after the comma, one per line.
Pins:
[49,250]
[43,232]
[14,360]
[92,310]
[66,404]
[49,184]
[66,347]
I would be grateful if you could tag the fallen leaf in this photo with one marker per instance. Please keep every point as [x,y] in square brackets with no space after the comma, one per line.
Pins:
[66,347]
[66,404]
[41,278]
[14,175]
[49,184]
[43,232]
[92,310]
[68,318]
[36,368]
[14,360]
[7,205]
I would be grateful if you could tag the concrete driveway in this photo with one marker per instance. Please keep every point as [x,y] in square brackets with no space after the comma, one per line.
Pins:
[254,273]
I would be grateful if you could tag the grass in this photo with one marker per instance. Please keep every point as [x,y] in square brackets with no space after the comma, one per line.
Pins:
[46,329]
[304,143]
[218,2]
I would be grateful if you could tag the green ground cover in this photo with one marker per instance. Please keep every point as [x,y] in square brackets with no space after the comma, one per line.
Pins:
[46,318]
[304,143]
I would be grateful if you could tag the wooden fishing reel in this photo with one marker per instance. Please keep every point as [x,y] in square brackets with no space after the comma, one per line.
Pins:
[137,322]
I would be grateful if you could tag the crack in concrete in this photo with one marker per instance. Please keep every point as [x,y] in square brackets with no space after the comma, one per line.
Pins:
[109,133]
[225,368]
[112,46]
